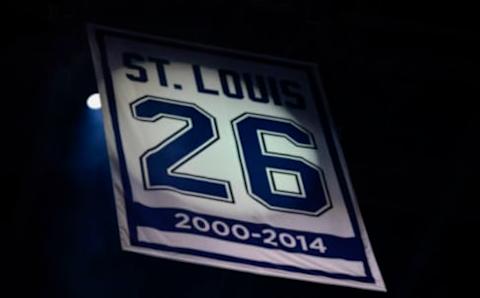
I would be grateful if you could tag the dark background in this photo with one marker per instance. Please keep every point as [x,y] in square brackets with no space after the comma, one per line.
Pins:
[402,83]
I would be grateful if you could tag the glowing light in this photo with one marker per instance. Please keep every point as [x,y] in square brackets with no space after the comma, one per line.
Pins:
[93,101]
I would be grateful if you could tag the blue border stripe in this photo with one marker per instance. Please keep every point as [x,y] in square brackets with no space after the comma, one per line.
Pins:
[200,253]
[328,131]
[118,140]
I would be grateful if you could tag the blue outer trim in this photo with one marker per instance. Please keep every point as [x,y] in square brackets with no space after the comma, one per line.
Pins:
[100,35]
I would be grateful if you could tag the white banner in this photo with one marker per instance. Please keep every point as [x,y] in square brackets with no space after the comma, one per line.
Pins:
[228,159]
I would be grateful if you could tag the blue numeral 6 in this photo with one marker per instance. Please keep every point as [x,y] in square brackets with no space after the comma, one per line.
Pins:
[310,196]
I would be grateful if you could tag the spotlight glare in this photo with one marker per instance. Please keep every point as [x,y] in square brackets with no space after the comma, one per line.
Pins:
[93,101]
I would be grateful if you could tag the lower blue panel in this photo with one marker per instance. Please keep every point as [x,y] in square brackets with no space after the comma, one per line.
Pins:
[167,219]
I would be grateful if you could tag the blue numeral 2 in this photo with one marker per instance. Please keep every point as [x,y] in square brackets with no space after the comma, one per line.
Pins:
[159,164]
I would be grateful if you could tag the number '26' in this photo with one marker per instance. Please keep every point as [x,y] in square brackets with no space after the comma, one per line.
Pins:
[260,167]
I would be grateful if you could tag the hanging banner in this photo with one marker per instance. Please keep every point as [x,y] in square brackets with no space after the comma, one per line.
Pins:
[228,159]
